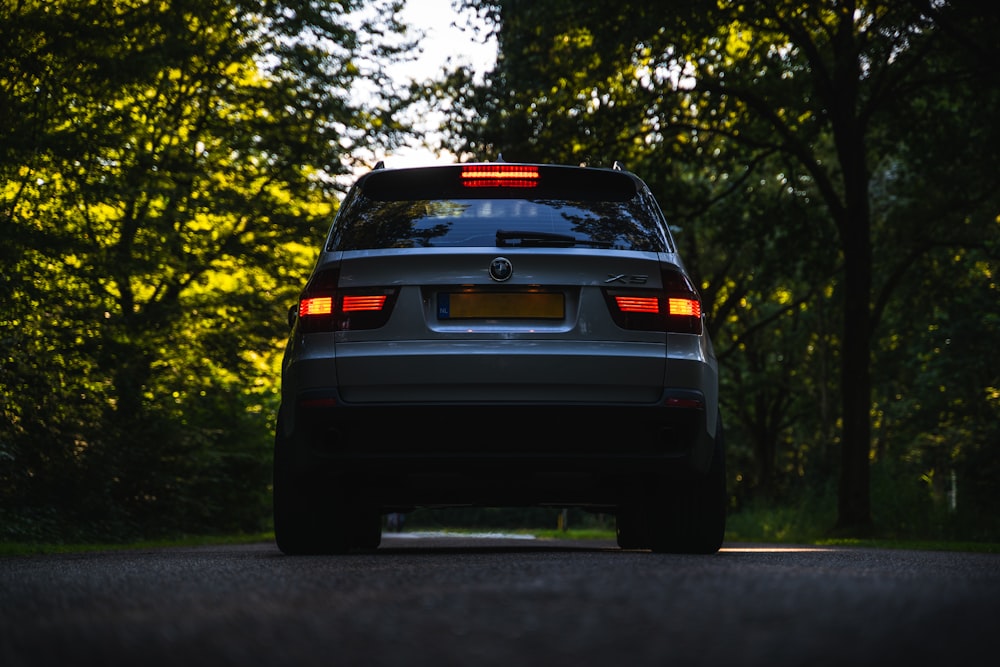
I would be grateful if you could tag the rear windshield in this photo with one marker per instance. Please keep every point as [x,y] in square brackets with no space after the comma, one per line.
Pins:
[560,207]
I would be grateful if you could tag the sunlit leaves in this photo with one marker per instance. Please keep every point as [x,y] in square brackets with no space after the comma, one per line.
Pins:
[170,174]
[777,136]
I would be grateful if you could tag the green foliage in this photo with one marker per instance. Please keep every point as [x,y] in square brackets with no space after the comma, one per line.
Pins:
[908,506]
[830,176]
[169,171]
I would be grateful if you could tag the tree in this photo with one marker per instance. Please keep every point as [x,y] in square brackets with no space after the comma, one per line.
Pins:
[803,95]
[166,174]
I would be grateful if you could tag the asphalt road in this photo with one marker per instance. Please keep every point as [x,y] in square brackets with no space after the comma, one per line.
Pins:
[427,600]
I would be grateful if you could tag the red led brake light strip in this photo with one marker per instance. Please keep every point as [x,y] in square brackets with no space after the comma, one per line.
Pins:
[356,303]
[499,176]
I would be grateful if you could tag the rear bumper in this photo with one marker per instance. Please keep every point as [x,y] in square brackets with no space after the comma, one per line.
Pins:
[499,454]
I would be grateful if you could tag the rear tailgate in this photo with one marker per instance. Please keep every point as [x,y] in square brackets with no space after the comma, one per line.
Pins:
[542,334]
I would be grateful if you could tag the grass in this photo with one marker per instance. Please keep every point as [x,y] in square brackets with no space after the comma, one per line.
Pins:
[804,525]
[29,549]
[39,548]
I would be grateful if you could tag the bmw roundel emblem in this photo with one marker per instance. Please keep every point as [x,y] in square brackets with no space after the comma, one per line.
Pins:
[501,269]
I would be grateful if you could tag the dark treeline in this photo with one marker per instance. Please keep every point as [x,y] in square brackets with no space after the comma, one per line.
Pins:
[166,170]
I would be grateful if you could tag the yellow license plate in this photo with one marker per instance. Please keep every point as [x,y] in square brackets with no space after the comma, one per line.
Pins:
[500,305]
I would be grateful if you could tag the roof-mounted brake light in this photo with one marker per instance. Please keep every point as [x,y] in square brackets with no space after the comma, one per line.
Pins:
[499,176]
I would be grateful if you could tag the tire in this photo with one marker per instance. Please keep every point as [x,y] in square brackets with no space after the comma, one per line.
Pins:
[366,526]
[305,523]
[631,531]
[690,517]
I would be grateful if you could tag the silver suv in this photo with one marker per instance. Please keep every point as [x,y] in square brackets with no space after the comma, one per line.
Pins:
[499,335]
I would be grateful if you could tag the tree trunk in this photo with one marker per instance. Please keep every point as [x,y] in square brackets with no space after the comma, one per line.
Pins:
[854,499]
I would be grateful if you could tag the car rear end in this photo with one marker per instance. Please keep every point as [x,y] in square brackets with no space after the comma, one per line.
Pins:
[497,335]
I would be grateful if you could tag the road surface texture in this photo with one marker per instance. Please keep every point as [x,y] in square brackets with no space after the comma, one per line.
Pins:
[493,600]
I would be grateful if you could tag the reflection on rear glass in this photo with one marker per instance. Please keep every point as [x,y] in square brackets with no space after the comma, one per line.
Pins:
[626,225]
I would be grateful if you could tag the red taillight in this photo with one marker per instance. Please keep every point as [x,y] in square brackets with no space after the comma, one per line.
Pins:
[324,306]
[690,403]
[651,304]
[499,176]
[317,305]
[685,307]
[674,308]
[638,304]
[367,302]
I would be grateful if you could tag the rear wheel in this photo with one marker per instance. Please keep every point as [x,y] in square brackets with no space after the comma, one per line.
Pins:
[309,519]
[630,528]
[690,517]
[366,526]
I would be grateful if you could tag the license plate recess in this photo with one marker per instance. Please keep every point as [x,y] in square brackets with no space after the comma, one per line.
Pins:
[500,305]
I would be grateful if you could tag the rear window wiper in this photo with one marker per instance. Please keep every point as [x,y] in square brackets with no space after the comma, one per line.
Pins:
[509,238]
